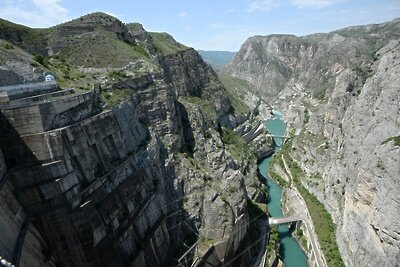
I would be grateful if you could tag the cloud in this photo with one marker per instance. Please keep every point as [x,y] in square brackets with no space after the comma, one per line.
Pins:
[267,5]
[183,14]
[10,1]
[262,5]
[51,8]
[314,3]
[34,13]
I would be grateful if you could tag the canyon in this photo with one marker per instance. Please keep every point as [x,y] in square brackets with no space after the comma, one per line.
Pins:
[140,154]
[339,93]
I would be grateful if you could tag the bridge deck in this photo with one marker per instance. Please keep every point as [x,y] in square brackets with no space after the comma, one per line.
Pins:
[278,136]
[290,219]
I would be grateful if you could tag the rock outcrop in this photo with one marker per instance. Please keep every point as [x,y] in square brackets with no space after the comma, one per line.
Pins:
[340,93]
[129,173]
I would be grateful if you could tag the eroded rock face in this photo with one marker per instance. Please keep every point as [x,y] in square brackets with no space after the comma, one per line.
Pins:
[192,77]
[371,201]
[15,67]
[129,173]
[128,185]
[340,92]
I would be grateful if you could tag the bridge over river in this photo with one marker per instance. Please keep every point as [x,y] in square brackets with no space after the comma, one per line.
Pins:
[316,259]
[285,220]
[278,136]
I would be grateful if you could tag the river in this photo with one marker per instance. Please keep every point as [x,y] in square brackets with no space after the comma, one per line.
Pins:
[291,253]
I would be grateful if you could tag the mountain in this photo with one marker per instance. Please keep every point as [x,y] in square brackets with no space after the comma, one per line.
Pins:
[339,93]
[217,59]
[134,157]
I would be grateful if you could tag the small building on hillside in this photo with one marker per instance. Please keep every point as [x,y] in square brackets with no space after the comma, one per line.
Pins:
[49,78]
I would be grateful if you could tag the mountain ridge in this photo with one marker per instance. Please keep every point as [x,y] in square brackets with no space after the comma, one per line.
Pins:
[217,59]
[342,88]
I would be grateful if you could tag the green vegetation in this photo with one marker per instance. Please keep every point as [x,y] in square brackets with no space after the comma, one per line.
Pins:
[114,97]
[395,139]
[239,106]
[278,179]
[317,176]
[303,134]
[101,50]
[363,72]
[324,226]
[299,235]
[31,39]
[306,117]
[42,60]
[279,67]
[239,86]
[321,88]
[117,74]
[67,76]
[8,46]
[256,209]
[235,144]
[380,165]
[6,25]
[206,106]
[273,243]
[236,90]
[164,43]
[262,188]
[277,159]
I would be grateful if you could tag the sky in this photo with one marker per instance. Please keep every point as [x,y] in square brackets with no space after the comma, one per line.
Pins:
[211,24]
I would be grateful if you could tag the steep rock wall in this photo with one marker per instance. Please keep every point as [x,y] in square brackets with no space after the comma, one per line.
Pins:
[109,188]
[343,93]
[128,183]
[192,77]
[29,253]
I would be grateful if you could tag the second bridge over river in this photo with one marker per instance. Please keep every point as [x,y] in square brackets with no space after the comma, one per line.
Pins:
[286,220]
[278,136]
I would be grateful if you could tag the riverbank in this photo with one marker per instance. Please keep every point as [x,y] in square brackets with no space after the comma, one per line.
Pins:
[297,202]
[320,225]
[289,250]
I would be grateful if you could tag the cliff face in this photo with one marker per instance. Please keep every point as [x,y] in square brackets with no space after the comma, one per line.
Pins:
[128,173]
[339,92]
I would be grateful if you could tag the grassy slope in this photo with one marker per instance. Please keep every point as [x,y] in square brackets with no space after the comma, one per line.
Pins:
[103,49]
[165,44]
[236,90]
[33,40]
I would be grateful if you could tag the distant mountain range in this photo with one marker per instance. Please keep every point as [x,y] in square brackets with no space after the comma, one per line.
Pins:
[217,59]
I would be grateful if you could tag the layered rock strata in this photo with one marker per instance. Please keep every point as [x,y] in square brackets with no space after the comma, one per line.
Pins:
[339,92]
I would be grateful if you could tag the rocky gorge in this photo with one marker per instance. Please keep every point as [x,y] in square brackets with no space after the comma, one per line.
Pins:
[339,93]
[134,158]
[140,154]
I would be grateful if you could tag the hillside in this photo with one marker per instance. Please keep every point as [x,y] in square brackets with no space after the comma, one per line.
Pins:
[133,157]
[339,93]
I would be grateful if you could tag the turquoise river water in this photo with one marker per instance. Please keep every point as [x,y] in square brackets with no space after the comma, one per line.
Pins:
[290,250]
